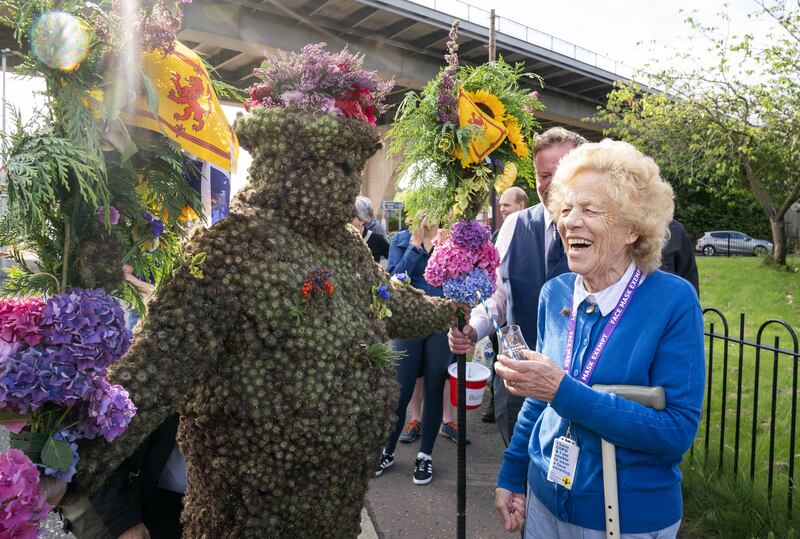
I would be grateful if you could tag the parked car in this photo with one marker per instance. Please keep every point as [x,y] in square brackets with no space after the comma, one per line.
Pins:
[731,242]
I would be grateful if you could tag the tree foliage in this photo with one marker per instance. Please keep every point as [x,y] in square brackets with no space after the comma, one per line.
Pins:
[727,131]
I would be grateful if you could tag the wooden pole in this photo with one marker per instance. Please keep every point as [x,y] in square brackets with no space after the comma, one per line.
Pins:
[461,509]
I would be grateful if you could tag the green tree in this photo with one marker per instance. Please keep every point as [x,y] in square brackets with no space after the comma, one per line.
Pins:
[733,126]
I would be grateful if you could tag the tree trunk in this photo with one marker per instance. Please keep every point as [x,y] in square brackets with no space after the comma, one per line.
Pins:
[778,226]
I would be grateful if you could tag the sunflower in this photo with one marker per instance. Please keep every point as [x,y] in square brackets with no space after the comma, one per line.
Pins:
[515,137]
[506,178]
[490,104]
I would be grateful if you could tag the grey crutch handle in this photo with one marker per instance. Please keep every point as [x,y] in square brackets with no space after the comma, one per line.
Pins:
[649,396]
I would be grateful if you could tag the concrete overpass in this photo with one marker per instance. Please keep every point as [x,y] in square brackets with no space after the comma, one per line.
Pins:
[401,39]
[404,40]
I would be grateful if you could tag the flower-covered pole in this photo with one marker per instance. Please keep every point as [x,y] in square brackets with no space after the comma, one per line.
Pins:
[464,134]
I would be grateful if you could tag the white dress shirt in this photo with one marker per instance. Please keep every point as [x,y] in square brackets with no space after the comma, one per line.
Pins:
[607,298]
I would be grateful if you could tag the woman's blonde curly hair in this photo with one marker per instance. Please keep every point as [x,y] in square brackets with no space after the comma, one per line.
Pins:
[643,200]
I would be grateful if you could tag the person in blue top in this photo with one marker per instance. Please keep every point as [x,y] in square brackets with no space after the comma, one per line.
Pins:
[408,254]
[615,319]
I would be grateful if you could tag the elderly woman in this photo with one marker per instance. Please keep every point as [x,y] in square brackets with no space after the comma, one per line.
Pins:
[615,320]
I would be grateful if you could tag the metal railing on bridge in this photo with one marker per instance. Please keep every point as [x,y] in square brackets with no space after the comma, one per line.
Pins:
[468,12]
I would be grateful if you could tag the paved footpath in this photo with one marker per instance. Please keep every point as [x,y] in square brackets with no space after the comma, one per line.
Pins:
[399,508]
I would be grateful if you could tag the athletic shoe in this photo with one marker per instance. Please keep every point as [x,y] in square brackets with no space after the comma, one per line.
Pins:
[411,431]
[450,430]
[385,462]
[423,471]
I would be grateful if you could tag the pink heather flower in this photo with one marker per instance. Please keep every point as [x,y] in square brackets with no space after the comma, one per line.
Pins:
[19,321]
[113,215]
[23,505]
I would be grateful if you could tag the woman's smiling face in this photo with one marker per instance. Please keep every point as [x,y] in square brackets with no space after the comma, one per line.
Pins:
[595,237]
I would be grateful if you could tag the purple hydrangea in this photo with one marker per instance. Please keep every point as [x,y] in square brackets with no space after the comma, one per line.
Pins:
[85,327]
[470,234]
[32,377]
[462,289]
[65,475]
[107,412]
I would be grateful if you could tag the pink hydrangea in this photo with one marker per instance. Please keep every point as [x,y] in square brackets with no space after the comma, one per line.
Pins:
[448,262]
[487,258]
[19,321]
[23,505]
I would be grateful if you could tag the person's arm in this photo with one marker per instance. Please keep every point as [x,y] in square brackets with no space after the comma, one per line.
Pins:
[404,257]
[679,367]
[184,333]
[497,304]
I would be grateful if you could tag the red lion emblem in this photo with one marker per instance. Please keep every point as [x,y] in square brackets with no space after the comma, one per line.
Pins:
[189,96]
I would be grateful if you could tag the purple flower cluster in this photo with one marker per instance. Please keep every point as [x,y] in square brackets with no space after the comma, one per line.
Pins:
[85,327]
[32,377]
[113,214]
[156,225]
[461,254]
[470,234]
[23,505]
[317,81]
[107,412]
[78,335]
[383,292]
[463,289]
[447,103]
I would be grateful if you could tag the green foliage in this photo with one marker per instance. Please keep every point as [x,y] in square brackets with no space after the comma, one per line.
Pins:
[381,353]
[733,129]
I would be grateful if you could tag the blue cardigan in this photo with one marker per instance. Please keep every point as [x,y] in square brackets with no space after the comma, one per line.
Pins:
[659,342]
[406,258]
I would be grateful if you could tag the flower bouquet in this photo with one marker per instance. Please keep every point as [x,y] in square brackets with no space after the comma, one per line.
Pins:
[54,357]
[467,130]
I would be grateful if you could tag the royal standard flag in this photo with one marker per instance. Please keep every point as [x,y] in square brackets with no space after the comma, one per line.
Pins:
[188,110]
[492,132]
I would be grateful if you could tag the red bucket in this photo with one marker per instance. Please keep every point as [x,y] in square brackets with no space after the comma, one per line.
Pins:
[476,377]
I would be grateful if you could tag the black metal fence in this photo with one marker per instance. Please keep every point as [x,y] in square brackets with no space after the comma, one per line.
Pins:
[750,409]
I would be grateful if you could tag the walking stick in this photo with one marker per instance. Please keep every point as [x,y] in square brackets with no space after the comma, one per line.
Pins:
[461,505]
[649,396]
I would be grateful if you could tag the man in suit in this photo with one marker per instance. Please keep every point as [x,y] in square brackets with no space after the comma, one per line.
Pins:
[530,253]
[677,256]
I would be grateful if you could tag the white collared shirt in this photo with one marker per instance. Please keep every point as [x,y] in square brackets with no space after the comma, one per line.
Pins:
[478,318]
[607,298]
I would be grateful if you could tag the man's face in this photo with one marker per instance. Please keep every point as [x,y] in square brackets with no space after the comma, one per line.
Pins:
[508,205]
[546,164]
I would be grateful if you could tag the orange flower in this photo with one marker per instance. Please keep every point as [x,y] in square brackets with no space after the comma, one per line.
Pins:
[307,287]
[329,289]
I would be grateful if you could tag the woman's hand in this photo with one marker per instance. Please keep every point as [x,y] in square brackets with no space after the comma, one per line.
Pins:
[136,532]
[536,376]
[511,508]
[53,488]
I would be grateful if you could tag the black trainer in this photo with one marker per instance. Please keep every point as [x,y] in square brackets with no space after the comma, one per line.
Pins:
[423,471]
[385,462]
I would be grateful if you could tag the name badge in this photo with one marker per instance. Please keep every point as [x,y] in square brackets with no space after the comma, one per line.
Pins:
[563,462]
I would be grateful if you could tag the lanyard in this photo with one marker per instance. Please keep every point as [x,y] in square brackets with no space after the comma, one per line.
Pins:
[609,328]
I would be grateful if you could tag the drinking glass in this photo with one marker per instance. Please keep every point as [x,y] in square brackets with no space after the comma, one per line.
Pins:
[511,342]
